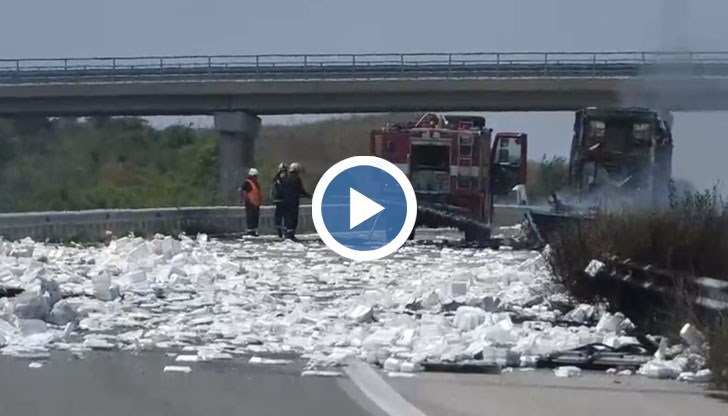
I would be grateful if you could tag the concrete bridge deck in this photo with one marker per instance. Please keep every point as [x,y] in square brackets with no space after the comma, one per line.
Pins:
[286,84]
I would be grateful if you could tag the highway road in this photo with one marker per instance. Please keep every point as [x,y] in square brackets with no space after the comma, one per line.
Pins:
[121,384]
[106,383]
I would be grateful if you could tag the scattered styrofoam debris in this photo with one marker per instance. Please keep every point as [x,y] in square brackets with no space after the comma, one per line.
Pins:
[270,361]
[360,313]
[468,318]
[691,335]
[177,369]
[321,373]
[97,343]
[212,354]
[214,300]
[609,322]
[581,313]
[703,376]
[594,267]
[409,367]
[394,374]
[567,371]
[659,369]
[186,358]
[35,364]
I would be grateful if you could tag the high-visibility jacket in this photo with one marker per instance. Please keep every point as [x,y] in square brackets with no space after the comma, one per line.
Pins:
[252,193]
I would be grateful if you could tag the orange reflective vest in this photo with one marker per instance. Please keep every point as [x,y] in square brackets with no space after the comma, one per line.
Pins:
[253,196]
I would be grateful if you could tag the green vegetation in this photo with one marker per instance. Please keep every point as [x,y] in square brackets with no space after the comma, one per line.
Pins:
[67,164]
[689,238]
[71,164]
[548,175]
[718,361]
[101,162]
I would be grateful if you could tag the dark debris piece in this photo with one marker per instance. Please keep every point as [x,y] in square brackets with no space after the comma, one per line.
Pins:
[469,366]
[10,292]
[598,356]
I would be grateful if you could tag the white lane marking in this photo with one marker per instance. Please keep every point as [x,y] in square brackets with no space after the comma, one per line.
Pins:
[379,391]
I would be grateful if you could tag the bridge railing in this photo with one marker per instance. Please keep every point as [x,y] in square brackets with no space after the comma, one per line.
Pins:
[362,66]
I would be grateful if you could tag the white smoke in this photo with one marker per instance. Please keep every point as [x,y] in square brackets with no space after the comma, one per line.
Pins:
[674,33]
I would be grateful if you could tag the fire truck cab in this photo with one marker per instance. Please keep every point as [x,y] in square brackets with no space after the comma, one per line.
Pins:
[450,162]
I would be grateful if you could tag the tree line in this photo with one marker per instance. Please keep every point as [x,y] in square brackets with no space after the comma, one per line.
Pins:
[124,162]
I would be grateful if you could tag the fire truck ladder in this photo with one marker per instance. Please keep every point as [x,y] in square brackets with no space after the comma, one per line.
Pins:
[465,160]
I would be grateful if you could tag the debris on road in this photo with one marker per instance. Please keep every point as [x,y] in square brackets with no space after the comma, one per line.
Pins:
[692,336]
[567,371]
[35,364]
[269,361]
[186,359]
[177,369]
[701,376]
[321,373]
[466,366]
[599,356]
[394,374]
[426,308]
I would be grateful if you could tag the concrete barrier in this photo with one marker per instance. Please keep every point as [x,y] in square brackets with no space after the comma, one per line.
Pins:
[92,225]
[509,214]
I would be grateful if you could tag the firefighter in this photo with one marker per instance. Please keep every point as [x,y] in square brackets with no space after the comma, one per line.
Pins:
[281,174]
[291,192]
[251,197]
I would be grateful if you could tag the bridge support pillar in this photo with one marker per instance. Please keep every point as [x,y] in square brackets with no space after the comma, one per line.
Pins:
[238,131]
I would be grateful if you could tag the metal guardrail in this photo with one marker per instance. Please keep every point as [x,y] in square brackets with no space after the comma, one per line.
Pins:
[362,66]
[92,225]
[709,293]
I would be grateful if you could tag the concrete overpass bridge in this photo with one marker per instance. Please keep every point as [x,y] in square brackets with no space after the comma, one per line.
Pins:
[236,89]
[286,84]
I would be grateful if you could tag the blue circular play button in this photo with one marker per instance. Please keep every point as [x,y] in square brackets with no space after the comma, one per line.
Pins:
[364,208]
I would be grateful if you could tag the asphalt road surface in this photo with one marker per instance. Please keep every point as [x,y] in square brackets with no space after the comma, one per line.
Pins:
[106,383]
[116,383]
[541,393]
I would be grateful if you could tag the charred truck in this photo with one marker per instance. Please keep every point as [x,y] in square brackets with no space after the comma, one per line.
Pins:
[625,153]
[454,171]
[619,157]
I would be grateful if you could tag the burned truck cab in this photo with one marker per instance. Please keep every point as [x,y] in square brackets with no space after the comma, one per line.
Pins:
[623,152]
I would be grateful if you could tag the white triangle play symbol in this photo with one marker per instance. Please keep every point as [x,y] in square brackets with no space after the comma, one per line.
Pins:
[361,208]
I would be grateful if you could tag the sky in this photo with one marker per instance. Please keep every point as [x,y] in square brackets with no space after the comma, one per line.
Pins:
[86,28]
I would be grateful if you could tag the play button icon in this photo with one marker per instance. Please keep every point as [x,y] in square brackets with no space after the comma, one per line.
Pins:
[361,208]
[364,208]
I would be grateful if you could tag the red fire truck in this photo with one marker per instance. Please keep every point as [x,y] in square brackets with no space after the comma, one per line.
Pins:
[456,174]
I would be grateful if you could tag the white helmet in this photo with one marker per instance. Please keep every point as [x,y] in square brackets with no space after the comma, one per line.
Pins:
[253,172]
[295,167]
